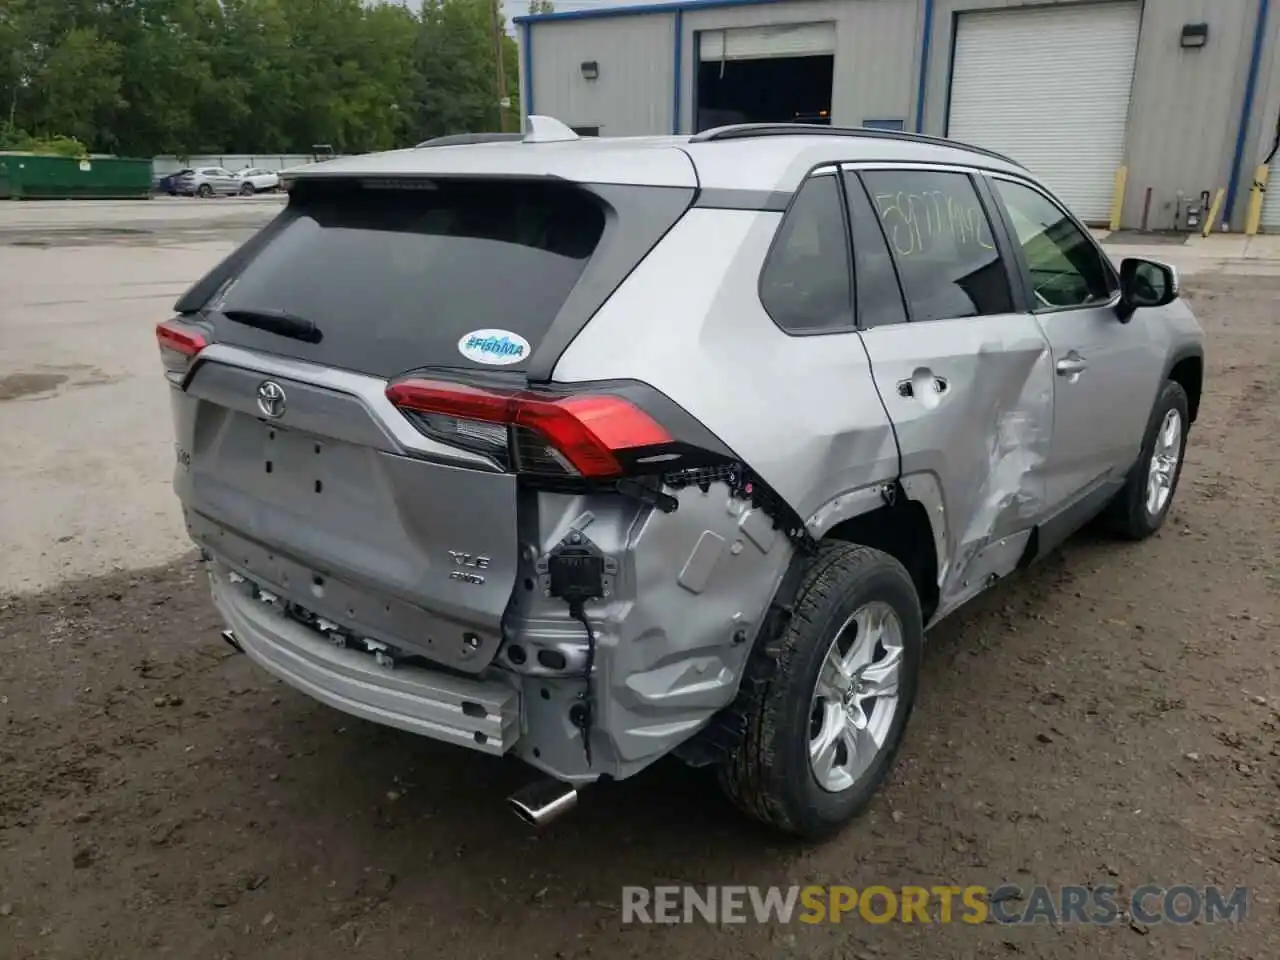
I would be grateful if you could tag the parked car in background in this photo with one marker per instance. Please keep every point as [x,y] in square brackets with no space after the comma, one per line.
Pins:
[208,182]
[258,180]
[168,183]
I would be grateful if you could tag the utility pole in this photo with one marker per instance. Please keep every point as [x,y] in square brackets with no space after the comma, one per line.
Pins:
[500,67]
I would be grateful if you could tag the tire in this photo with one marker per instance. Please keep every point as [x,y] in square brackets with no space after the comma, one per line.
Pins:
[770,775]
[246,190]
[204,191]
[1132,514]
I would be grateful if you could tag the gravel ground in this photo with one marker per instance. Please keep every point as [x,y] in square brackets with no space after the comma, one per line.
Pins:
[86,446]
[1111,716]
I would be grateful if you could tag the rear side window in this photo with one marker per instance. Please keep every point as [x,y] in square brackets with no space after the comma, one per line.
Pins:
[805,283]
[395,278]
[941,242]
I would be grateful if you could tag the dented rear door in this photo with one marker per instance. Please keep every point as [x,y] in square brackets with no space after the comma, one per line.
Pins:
[967,380]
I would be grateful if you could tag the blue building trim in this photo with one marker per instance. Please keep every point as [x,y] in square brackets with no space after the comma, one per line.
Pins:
[926,40]
[678,6]
[678,72]
[1250,88]
[526,35]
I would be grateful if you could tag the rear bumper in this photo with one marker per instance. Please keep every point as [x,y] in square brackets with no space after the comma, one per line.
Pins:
[478,714]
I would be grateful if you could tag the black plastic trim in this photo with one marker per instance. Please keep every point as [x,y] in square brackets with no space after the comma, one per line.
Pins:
[1055,530]
[636,218]
[745,131]
[1187,352]
[724,198]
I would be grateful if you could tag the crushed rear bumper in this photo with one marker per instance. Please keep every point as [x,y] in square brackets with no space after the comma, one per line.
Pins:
[482,715]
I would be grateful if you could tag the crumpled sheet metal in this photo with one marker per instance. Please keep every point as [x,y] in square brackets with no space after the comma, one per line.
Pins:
[1010,409]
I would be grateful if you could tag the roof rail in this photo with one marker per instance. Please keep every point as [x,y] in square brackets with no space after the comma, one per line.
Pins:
[744,131]
[459,139]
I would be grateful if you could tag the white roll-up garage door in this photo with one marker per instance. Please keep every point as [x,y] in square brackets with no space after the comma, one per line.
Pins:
[757,43]
[1050,88]
[1270,199]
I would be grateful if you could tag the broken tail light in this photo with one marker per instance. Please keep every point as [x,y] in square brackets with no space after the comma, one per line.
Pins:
[178,347]
[593,436]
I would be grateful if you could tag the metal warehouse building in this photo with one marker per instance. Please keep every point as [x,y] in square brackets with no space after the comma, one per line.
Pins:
[1137,112]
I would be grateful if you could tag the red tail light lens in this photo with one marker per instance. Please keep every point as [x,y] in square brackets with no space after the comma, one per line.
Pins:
[582,433]
[178,347]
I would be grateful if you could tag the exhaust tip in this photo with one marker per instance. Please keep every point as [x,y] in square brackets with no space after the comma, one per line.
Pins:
[230,637]
[543,801]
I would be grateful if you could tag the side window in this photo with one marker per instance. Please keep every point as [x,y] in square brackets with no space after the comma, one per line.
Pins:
[942,244]
[876,280]
[805,283]
[1066,268]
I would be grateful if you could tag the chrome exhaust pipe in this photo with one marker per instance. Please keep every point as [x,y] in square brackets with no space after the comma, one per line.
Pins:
[543,801]
[230,637]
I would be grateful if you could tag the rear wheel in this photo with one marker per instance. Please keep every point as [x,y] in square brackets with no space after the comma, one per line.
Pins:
[204,191]
[1142,504]
[823,730]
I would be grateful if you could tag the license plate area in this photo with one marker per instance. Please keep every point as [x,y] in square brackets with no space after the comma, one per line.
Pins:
[299,468]
[329,604]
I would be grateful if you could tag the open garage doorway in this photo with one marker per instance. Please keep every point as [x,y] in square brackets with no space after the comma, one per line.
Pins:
[775,74]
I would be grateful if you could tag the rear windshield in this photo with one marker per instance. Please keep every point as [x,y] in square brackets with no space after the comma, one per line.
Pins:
[396,278]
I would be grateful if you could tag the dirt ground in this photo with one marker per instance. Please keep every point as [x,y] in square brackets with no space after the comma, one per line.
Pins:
[1111,716]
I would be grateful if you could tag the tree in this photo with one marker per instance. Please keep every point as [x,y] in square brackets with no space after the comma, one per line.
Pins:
[454,90]
[79,87]
[541,6]
[249,76]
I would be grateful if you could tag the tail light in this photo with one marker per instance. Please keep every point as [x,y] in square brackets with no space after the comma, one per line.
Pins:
[593,436]
[178,347]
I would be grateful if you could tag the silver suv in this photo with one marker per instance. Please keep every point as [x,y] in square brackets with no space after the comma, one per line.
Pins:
[591,451]
[208,182]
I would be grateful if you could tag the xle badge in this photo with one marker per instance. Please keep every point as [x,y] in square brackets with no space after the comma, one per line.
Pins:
[465,565]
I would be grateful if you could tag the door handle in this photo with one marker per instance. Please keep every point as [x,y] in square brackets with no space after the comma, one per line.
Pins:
[1071,366]
[907,389]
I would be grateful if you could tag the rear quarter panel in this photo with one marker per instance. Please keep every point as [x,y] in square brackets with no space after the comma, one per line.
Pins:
[802,412]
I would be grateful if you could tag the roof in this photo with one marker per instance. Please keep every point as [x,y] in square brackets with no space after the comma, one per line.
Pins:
[655,161]
[629,10]
[773,159]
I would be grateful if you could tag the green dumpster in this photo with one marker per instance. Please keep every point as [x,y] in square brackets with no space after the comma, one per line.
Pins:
[34,176]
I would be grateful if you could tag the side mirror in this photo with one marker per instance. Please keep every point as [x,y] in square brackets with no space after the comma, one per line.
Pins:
[1145,283]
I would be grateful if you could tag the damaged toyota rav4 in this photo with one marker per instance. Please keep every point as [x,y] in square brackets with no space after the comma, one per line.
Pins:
[594,451]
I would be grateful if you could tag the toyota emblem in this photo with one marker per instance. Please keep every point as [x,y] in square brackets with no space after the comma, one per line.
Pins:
[271,400]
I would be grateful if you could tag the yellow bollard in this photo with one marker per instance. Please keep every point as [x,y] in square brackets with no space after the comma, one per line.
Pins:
[1117,198]
[1254,216]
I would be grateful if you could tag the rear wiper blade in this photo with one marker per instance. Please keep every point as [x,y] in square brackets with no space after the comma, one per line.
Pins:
[277,321]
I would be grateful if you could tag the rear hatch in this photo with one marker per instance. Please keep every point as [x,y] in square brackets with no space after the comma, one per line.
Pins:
[296,469]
